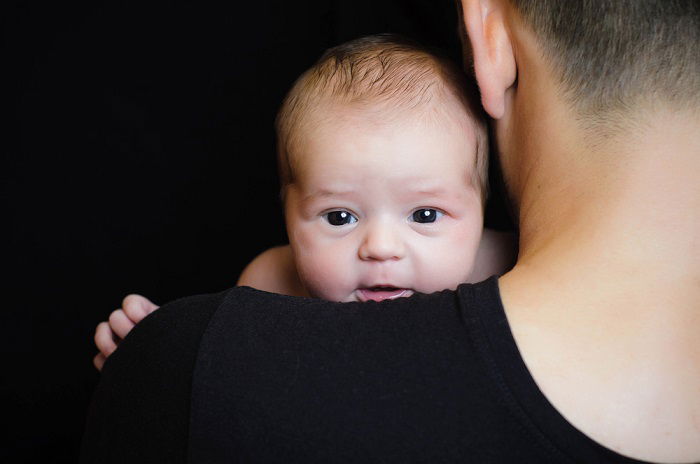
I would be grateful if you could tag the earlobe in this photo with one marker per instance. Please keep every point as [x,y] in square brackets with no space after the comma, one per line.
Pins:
[494,61]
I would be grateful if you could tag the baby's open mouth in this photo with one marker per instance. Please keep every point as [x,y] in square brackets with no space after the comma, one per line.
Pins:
[381,293]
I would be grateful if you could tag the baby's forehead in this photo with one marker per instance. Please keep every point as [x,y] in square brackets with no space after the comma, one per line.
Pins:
[447,114]
[426,148]
[338,125]
[353,137]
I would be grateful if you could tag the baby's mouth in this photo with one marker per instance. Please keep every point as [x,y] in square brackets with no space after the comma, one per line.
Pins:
[381,293]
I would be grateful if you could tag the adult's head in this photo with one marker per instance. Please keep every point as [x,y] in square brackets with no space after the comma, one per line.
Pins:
[596,108]
[567,80]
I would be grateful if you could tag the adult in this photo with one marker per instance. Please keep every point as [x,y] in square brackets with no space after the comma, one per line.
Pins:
[587,351]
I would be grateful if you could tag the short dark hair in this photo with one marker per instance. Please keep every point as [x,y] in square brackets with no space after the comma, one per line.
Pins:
[611,53]
[386,71]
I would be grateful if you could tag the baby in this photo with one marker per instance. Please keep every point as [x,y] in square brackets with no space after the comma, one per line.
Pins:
[382,152]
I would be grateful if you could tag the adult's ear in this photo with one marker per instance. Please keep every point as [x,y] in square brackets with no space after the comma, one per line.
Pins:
[494,61]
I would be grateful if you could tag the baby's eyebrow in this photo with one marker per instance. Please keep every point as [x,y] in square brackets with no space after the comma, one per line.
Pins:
[430,191]
[327,192]
[436,190]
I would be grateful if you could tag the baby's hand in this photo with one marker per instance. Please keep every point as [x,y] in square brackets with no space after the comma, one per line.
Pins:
[121,321]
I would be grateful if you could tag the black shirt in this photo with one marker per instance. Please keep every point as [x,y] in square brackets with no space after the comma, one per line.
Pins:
[248,376]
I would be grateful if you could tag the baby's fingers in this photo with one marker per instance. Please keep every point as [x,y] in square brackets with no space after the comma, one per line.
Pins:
[120,323]
[136,307]
[104,339]
[99,361]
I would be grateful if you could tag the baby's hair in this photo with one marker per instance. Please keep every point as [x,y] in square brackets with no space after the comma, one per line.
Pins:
[389,72]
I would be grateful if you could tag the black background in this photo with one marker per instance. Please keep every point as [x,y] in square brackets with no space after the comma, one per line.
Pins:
[138,156]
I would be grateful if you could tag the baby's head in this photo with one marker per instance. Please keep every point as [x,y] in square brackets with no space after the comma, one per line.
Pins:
[383,163]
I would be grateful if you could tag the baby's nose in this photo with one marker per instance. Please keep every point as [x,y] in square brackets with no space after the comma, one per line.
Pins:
[381,243]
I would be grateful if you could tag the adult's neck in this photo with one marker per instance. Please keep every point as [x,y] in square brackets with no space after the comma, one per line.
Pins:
[620,199]
[606,288]
[626,205]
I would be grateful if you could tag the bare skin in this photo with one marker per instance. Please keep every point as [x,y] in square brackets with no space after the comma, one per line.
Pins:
[273,271]
[604,299]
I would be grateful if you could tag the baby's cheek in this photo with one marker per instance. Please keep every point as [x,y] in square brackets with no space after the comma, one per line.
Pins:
[448,265]
[317,260]
[322,275]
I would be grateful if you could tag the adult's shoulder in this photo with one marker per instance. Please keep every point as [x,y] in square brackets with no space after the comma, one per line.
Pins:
[140,409]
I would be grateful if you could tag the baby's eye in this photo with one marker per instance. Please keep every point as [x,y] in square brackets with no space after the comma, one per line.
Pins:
[339,218]
[426,215]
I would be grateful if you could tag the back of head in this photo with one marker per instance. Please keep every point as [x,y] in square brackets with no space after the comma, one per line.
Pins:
[385,73]
[612,55]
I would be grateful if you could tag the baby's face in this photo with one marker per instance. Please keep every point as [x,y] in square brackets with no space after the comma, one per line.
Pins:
[383,210]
